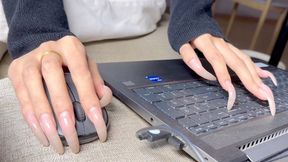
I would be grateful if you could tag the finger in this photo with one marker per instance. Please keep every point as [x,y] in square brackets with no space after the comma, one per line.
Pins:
[83,81]
[248,62]
[218,63]
[33,82]
[191,59]
[266,74]
[27,108]
[239,67]
[103,92]
[54,77]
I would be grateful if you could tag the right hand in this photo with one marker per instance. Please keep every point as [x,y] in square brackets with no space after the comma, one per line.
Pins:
[26,74]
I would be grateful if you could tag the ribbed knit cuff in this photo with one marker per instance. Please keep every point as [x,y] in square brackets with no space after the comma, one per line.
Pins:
[190,19]
[30,42]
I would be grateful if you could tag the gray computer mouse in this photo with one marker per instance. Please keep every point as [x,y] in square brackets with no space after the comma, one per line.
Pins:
[85,128]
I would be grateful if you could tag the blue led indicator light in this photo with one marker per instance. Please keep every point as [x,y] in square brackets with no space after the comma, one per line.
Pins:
[154,78]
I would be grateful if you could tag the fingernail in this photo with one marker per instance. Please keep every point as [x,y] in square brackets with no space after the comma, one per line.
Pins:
[270,97]
[69,131]
[97,119]
[107,96]
[36,129]
[197,67]
[231,94]
[48,126]
[265,74]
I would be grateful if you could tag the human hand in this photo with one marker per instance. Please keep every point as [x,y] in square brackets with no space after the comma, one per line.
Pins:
[219,54]
[46,61]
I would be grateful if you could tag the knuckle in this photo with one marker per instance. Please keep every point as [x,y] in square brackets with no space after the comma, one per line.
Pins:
[47,45]
[30,70]
[49,64]
[246,58]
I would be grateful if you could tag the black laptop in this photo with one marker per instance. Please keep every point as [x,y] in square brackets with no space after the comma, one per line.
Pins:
[190,112]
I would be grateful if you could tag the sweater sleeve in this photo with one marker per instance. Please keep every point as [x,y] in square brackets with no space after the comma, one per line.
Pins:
[32,22]
[190,19]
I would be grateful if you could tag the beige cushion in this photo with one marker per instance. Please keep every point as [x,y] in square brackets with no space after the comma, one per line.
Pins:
[3,49]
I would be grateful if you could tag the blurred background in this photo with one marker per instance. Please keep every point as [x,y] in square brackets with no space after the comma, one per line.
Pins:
[246,20]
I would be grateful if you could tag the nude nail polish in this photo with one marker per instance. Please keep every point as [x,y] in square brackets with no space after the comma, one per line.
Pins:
[197,67]
[231,94]
[270,97]
[36,129]
[107,96]
[48,125]
[265,74]
[68,127]
[96,117]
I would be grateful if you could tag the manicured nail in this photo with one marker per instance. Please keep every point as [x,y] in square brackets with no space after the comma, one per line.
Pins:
[266,74]
[107,96]
[48,126]
[97,119]
[36,129]
[69,131]
[270,97]
[231,94]
[197,67]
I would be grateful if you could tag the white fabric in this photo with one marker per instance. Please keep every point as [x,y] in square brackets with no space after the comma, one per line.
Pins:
[3,26]
[94,20]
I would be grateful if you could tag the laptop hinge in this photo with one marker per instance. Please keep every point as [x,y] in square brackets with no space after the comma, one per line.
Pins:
[267,149]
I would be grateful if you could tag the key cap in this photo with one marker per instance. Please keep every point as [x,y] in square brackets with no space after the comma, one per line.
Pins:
[187,122]
[154,90]
[141,91]
[151,97]
[197,130]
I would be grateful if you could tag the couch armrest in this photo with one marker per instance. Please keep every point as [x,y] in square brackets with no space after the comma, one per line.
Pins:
[3,49]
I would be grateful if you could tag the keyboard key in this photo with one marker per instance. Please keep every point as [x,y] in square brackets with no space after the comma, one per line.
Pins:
[169,110]
[151,97]
[199,119]
[141,91]
[165,96]
[178,94]
[187,100]
[188,111]
[218,103]
[187,122]
[221,123]
[234,111]
[154,90]
[197,130]
[176,103]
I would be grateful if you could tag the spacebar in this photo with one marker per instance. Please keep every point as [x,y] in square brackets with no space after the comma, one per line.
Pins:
[268,148]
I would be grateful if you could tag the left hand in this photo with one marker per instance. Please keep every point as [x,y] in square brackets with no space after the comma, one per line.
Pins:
[219,54]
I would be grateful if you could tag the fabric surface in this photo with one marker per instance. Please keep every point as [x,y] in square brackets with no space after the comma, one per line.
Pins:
[3,49]
[19,145]
[92,20]
[3,25]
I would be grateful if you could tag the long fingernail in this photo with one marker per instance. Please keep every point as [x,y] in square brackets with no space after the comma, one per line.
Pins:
[270,97]
[265,74]
[97,119]
[107,96]
[69,131]
[48,126]
[197,67]
[231,94]
[36,129]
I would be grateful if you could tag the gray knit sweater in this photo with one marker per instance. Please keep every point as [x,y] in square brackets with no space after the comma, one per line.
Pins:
[32,22]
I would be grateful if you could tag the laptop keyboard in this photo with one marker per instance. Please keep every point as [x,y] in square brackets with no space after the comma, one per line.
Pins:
[200,106]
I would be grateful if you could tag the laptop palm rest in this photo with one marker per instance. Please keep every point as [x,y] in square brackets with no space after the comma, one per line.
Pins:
[267,149]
